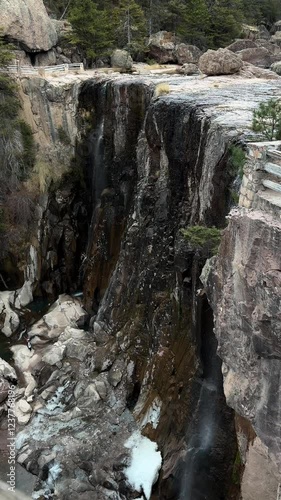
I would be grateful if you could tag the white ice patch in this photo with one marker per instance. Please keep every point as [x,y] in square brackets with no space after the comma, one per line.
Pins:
[146,462]
[54,473]
[54,404]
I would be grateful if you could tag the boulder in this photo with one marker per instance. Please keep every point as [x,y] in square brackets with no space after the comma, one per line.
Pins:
[46,58]
[189,69]
[241,44]
[54,354]
[251,71]
[9,318]
[187,53]
[6,371]
[162,47]
[4,388]
[272,48]
[24,295]
[27,22]
[250,32]
[220,62]
[276,27]
[23,411]
[276,38]
[259,56]
[276,67]
[121,59]
[64,312]
[263,32]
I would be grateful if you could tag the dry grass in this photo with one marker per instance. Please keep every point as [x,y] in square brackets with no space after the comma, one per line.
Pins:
[43,175]
[162,89]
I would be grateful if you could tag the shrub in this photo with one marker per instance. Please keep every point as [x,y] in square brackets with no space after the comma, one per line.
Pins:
[63,136]
[205,239]
[267,120]
[161,89]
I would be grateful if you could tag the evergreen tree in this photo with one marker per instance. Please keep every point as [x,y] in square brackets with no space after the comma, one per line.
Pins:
[130,24]
[226,17]
[92,29]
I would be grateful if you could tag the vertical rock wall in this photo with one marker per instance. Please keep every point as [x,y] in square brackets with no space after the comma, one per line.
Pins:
[140,275]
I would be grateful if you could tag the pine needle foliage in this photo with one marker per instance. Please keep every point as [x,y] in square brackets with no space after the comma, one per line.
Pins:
[267,119]
[203,239]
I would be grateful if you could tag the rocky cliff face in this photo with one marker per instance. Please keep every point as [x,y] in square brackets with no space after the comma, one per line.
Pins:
[244,289]
[153,166]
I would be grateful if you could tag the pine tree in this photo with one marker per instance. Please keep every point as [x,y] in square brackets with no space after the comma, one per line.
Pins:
[92,29]
[267,119]
[130,24]
[226,20]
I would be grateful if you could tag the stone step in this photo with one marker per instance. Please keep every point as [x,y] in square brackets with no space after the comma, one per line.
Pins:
[274,154]
[272,168]
[272,185]
[270,197]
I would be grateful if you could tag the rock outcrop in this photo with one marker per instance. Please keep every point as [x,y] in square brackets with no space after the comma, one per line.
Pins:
[27,22]
[220,62]
[244,288]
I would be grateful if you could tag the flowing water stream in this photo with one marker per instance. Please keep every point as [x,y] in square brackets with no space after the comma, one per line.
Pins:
[203,463]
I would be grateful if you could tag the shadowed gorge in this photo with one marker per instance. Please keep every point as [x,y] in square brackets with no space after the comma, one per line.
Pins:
[131,350]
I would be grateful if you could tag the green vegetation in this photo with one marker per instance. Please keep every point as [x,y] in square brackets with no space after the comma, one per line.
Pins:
[236,471]
[267,120]
[237,160]
[204,239]
[100,25]
[17,157]
[63,137]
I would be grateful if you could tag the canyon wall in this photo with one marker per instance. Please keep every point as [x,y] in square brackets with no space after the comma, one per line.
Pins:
[151,167]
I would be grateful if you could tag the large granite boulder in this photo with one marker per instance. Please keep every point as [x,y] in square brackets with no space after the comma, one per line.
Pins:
[241,44]
[220,62]
[276,67]
[259,56]
[187,53]
[250,71]
[121,59]
[263,32]
[273,48]
[276,38]
[162,47]
[188,69]
[27,22]
[276,27]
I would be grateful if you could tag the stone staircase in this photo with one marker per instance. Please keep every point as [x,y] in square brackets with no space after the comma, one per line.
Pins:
[272,179]
[261,183]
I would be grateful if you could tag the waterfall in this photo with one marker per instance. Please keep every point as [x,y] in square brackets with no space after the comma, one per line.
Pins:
[203,436]
[99,175]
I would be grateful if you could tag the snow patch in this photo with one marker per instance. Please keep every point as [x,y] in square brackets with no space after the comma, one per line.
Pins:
[146,462]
